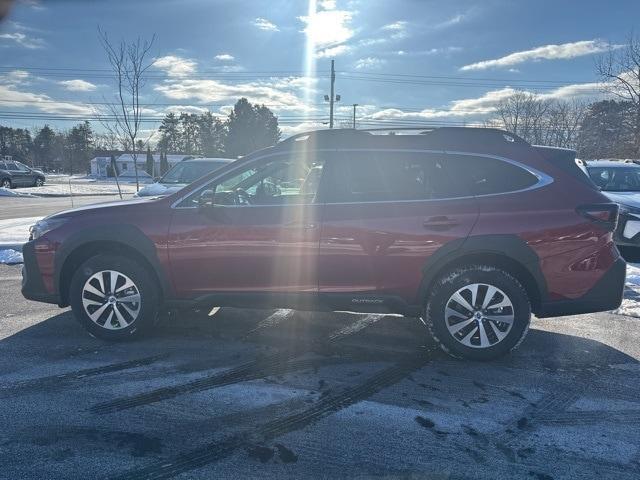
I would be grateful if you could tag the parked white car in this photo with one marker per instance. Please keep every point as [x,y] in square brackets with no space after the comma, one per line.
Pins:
[181,175]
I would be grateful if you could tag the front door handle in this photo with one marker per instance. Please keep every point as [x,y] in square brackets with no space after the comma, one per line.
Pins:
[440,223]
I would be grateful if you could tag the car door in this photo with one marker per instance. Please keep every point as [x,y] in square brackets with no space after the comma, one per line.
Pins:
[24,174]
[260,234]
[385,214]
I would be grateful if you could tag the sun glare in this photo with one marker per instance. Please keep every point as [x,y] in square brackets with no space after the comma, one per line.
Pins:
[310,59]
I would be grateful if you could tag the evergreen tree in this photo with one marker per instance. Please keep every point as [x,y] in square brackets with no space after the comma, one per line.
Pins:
[44,146]
[170,138]
[149,163]
[164,163]
[250,128]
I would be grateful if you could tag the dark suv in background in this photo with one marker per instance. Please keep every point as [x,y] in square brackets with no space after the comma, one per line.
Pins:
[15,174]
[472,230]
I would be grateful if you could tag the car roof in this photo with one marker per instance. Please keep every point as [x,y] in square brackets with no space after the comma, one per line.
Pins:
[611,164]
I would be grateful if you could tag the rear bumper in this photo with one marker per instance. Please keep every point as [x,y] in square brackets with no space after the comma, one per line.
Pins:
[32,285]
[605,295]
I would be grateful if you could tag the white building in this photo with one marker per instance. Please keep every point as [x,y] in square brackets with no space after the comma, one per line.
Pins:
[125,164]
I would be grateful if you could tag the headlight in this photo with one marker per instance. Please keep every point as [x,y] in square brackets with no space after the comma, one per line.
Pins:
[629,211]
[43,226]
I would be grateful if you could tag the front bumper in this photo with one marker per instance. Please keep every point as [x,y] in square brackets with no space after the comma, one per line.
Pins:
[32,285]
[605,295]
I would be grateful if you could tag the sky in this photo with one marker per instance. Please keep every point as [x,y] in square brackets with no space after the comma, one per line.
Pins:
[412,61]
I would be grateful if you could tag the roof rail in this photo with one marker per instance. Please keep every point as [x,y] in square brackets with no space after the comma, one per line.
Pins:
[322,134]
[442,136]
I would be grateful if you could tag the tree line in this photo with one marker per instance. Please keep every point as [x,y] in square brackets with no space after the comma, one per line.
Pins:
[603,129]
[247,128]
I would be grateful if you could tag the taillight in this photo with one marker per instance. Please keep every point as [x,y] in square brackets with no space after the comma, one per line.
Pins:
[604,215]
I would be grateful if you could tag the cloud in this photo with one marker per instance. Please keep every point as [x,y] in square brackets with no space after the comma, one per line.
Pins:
[281,93]
[175,66]
[178,109]
[398,29]
[34,4]
[23,40]
[11,97]
[546,52]
[77,85]
[224,57]
[334,51]
[430,51]
[264,24]
[480,108]
[328,28]
[455,20]
[369,62]
[15,77]
[327,4]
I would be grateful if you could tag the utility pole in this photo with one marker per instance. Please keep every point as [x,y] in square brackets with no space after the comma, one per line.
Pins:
[355,105]
[333,97]
[333,82]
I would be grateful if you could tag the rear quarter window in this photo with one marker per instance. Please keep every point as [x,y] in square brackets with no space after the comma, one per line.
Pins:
[486,176]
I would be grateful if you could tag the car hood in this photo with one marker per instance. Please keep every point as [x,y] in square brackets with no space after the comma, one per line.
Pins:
[631,199]
[100,207]
[160,189]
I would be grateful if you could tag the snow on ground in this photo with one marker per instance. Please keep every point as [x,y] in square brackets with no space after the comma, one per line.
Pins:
[85,187]
[5,192]
[10,256]
[15,231]
[631,302]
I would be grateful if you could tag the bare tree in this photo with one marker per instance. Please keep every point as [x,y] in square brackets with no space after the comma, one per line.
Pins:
[540,120]
[129,62]
[562,124]
[620,72]
[523,114]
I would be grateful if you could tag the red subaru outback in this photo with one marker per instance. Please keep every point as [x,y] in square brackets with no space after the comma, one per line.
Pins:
[471,229]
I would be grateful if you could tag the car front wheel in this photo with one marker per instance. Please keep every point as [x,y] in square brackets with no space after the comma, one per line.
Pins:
[114,297]
[478,312]
[39,182]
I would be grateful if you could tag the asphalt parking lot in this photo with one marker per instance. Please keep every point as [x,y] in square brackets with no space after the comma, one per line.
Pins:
[284,394]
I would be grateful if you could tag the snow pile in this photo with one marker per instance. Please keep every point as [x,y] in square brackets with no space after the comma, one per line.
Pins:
[10,256]
[15,231]
[5,192]
[631,302]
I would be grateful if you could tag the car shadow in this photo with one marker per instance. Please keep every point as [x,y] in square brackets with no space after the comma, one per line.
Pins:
[390,338]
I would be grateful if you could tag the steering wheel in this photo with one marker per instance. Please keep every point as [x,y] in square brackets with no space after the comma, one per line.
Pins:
[242,197]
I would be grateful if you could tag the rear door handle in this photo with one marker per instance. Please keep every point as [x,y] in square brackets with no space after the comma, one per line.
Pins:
[440,223]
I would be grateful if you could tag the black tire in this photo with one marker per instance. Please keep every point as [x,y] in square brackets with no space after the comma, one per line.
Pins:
[455,280]
[38,182]
[6,183]
[144,285]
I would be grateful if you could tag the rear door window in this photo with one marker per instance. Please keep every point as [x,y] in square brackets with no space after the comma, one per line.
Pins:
[392,176]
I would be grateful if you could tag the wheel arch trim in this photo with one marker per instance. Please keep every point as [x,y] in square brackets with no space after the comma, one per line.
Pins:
[128,238]
[507,251]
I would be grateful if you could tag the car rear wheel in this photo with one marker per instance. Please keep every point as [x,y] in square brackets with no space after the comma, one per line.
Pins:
[114,297]
[478,312]
[6,183]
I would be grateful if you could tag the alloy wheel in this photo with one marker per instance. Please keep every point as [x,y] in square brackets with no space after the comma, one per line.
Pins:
[479,315]
[111,300]
[6,184]
[39,182]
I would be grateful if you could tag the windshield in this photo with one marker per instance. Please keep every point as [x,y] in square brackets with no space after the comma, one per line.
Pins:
[616,179]
[188,172]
